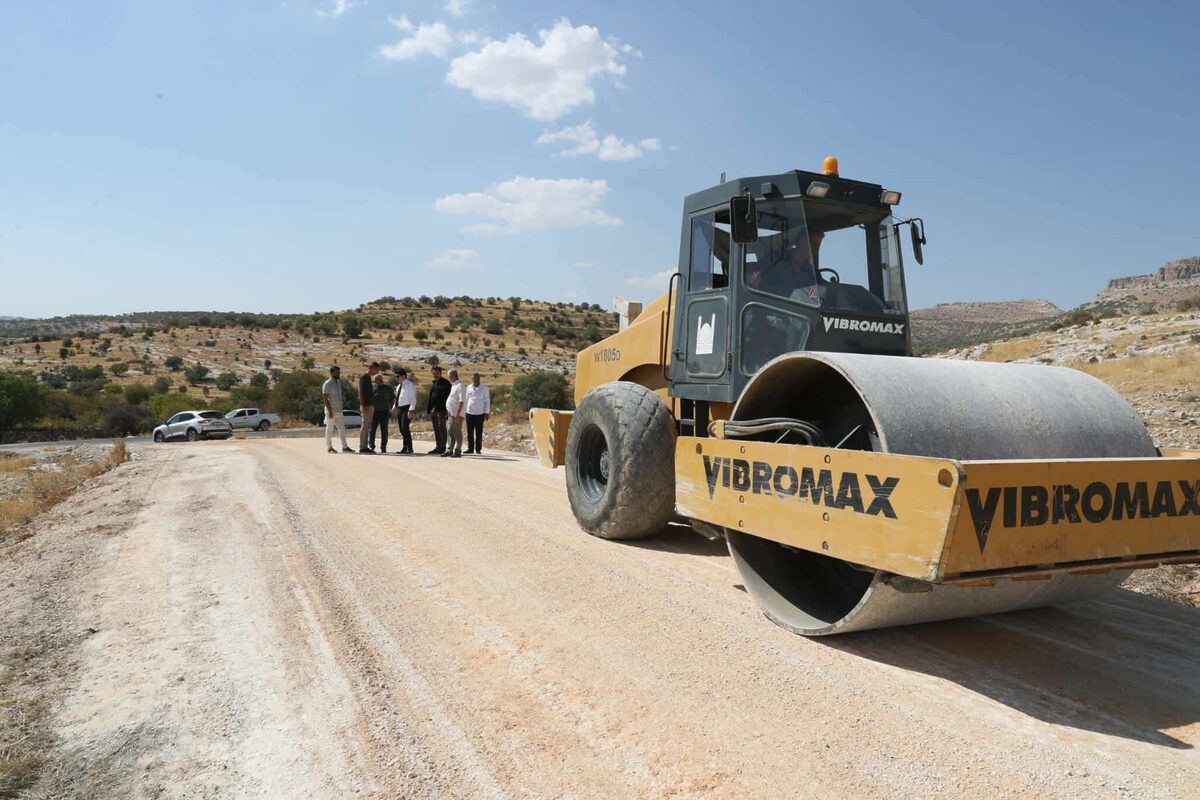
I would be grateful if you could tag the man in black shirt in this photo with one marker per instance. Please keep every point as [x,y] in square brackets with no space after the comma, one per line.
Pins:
[383,399]
[439,390]
[366,404]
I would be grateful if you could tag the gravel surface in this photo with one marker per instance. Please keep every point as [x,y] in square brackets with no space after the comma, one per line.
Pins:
[257,618]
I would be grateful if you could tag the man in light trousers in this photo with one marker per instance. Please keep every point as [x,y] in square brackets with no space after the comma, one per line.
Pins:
[455,403]
[331,391]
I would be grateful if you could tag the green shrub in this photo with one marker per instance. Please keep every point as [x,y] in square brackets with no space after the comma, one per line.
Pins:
[196,373]
[248,396]
[127,420]
[136,394]
[22,400]
[162,384]
[352,325]
[174,363]
[311,407]
[227,380]
[292,393]
[542,389]
[162,406]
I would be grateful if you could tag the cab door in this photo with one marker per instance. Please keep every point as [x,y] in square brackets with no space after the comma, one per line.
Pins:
[701,347]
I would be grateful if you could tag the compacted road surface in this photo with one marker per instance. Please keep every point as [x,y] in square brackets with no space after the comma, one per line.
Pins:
[258,618]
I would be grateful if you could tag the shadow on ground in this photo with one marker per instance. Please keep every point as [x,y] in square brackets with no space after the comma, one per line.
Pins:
[1123,665]
[680,538]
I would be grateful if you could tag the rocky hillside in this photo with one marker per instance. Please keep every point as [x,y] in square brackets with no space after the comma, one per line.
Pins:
[502,338]
[1173,283]
[962,324]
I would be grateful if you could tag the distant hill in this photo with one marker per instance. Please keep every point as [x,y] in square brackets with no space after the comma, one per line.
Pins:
[951,325]
[1163,290]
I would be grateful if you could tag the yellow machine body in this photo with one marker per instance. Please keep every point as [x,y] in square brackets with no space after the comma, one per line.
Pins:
[942,520]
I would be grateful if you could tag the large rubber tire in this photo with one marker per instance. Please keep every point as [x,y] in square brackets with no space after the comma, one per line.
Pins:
[191,434]
[264,425]
[620,462]
[158,437]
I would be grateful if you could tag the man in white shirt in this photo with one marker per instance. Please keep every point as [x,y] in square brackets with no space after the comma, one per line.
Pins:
[331,393]
[406,401]
[454,410]
[478,407]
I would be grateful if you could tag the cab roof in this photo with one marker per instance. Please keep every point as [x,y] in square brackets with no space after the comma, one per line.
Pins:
[787,184]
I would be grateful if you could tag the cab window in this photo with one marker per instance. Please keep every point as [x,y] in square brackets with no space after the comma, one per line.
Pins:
[709,268]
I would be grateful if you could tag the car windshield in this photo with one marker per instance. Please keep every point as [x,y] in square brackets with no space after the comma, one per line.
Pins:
[211,415]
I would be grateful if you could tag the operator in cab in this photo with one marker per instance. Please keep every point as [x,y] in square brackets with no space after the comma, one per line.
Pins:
[796,277]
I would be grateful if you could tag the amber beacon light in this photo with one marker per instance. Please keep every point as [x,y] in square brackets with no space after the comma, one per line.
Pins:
[829,166]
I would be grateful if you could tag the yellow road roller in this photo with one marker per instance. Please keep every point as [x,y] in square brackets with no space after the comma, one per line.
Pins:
[769,398]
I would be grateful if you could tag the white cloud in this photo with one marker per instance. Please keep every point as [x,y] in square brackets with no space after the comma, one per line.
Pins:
[456,8]
[656,281]
[339,7]
[545,80]
[586,141]
[584,264]
[532,203]
[455,259]
[432,39]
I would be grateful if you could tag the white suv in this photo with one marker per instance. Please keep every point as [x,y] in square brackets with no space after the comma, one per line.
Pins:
[193,425]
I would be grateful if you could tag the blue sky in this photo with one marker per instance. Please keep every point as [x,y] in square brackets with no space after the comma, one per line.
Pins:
[315,154]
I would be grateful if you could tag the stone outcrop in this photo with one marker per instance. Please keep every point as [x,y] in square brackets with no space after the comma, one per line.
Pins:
[1163,290]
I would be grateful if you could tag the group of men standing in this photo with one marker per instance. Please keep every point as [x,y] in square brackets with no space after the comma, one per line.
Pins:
[450,403]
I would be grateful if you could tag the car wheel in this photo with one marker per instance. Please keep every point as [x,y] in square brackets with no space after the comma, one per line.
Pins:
[191,434]
[158,437]
[262,426]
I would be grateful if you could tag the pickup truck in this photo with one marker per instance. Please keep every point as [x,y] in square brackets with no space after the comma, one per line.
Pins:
[251,418]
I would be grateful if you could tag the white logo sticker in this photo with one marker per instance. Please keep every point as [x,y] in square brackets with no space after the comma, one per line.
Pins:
[863,325]
[704,335]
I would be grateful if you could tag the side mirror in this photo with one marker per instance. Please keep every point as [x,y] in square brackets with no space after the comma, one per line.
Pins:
[743,219]
[918,239]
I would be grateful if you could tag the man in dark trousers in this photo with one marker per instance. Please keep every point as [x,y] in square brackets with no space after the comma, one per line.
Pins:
[439,390]
[478,406]
[366,404]
[384,398]
[406,401]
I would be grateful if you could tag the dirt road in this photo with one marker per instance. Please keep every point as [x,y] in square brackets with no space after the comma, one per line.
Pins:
[260,618]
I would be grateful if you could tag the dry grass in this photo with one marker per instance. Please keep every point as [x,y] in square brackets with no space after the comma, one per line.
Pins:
[46,489]
[15,464]
[1147,372]
[1013,350]
[23,733]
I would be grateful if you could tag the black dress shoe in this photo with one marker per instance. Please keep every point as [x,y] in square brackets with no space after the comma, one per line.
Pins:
[437,451]
[456,455]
